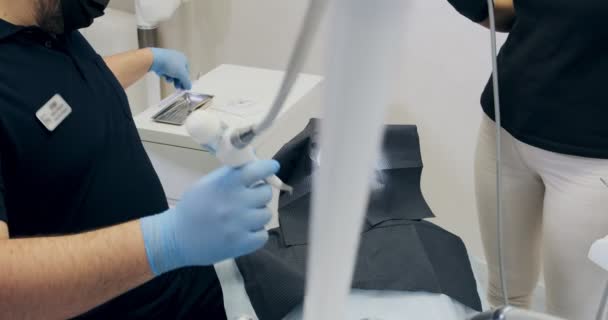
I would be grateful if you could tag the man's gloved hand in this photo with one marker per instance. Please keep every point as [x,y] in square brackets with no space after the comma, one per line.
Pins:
[476,10]
[223,216]
[173,66]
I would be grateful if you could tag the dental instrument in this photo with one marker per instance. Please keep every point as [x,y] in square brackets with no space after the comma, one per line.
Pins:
[209,131]
[177,108]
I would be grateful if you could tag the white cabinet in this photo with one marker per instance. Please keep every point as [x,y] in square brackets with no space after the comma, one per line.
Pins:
[179,167]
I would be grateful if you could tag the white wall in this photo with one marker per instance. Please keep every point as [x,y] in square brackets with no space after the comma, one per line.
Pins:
[446,65]
[122,5]
[442,75]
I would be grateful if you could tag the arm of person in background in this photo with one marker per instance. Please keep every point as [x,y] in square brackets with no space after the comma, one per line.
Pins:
[221,217]
[477,11]
[504,11]
[129,67]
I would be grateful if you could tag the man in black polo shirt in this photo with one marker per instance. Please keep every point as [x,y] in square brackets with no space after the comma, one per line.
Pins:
[88,221]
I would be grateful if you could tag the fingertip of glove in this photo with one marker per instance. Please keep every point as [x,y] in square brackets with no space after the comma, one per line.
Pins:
[276,166]
[271,166]
[258,170]
[266,165]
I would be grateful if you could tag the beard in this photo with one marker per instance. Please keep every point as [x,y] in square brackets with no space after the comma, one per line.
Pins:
[48,15]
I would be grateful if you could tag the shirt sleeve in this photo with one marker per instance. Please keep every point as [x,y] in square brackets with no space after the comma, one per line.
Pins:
[476,10]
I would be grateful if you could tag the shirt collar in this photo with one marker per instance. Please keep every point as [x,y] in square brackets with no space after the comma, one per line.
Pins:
[8,29]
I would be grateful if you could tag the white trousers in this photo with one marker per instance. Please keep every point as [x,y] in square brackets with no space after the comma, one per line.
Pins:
[555,207]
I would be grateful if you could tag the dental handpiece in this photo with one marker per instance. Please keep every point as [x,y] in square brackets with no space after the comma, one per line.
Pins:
[208,130]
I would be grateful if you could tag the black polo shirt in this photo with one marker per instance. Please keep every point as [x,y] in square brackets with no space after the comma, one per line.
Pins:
[553,70]
[90,172]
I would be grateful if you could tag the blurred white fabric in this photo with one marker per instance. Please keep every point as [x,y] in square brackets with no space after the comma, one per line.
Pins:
[384,305]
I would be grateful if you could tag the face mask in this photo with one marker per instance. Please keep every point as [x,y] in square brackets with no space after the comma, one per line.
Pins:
[79,14]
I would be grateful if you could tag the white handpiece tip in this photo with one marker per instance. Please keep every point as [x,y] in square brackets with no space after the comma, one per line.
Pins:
[277,183]
[286,188]
[204,127]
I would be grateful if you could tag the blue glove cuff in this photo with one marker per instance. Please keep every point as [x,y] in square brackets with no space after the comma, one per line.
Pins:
[160,242]
[155,67]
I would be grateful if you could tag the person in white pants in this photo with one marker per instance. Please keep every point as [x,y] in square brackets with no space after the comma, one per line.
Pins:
[555,207]
[552,71]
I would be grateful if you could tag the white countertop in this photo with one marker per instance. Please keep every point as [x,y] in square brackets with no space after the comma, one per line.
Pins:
[255,88]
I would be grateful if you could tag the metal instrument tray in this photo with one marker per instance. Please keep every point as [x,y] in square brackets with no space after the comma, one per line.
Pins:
[180,107]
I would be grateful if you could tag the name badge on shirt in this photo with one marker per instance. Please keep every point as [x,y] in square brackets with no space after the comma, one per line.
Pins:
[52,114]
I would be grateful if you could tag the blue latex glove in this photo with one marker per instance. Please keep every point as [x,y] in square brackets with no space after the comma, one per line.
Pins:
[172,66]
[223,216]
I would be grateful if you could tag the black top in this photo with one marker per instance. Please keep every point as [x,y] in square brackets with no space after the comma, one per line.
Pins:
[395,192]
[398,250]
[90,172]
[552,76]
